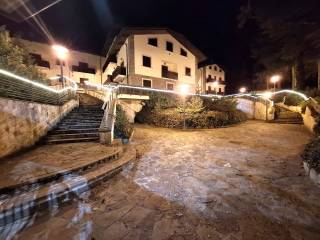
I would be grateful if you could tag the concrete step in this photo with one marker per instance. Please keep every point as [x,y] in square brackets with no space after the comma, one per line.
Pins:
[71,131]
[287,121]
[71,140]
[25,204]
[72,135]
[80,125]
[78,121]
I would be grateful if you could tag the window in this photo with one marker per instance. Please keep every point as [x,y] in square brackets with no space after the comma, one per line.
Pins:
[170,86]
[188,71]
[209,88]
[153,42]
[210,67]
[169,46]
[146,61]
[83,80]
[209,76]
[183,52]
[146,83]
[220,78]
[215,77]
[220,70]
[215,68]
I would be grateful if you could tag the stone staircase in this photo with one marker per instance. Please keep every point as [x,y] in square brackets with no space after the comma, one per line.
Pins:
[286,116]
[80,125]
[21,201]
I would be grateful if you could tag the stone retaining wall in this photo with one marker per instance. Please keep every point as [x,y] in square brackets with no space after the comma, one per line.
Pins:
[23,123]
[254,110]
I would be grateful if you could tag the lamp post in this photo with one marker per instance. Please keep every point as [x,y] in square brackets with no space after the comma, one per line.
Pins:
[274,79]
[61,53]
[243,90]
[184,90]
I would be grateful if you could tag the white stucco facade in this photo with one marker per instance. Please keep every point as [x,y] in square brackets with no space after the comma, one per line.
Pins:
[164,64]
[160,56]
[213,78]
[94,62]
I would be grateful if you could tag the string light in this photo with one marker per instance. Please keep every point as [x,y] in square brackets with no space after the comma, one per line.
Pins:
[40,85]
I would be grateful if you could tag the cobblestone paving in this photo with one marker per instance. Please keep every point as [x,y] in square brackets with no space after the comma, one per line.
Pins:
[243,182]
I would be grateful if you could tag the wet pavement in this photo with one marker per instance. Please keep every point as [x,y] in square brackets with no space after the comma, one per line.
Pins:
[242,182]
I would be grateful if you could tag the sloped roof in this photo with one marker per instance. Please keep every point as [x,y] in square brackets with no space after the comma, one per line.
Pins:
[113,46]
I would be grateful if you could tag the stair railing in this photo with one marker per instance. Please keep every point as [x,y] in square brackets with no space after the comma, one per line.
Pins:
[106,130]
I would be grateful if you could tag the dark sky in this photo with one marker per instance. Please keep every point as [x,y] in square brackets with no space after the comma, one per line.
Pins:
[209,24]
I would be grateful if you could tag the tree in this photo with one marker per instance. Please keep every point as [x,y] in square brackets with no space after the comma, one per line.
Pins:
[15,57]
[288,37]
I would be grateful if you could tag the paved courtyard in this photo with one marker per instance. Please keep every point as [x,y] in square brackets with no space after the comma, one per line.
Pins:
[242,182]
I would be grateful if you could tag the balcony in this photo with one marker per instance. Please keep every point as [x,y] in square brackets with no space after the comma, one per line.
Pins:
[118,74]
[170,75]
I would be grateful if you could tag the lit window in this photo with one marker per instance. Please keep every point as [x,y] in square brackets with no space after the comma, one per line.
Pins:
[188,71]
[146,83]
[146,61]
[169,46]
[153,42]
[183,52]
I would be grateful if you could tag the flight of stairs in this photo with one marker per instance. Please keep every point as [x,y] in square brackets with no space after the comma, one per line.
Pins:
[286,116]
[80,125]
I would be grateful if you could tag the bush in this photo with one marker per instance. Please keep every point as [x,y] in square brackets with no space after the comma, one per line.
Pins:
[288,99]
[194,105]
[221,105]
[15,57]
[311,154]
[161,101]
[123,128]
[170,118]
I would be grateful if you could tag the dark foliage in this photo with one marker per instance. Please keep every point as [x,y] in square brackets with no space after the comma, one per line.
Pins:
[123,128]
[311,154]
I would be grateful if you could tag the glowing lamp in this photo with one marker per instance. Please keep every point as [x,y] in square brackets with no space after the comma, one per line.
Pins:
[275,78]
[184,89]
[60,51]
[243,90]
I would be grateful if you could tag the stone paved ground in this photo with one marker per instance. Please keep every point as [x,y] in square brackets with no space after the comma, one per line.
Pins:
[244,182]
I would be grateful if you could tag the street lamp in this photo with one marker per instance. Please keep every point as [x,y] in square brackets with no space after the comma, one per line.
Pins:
[243,90]
[274,79]
[61,53]
[184,90]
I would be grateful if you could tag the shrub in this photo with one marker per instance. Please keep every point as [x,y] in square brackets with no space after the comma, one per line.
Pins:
[161,101]
[288,99]
[311,154]
[170,118]
[123,128]
[222,105]
[194,105]
[15,57]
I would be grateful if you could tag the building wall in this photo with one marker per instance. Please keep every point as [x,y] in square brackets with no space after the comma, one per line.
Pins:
[94,61]
[217,74]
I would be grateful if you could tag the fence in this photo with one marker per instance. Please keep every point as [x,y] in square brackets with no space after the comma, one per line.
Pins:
[16,87]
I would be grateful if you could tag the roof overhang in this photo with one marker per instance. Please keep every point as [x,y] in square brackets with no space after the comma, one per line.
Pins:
[112,47]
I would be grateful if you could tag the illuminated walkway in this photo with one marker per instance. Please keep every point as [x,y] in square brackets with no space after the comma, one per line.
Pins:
[243,182]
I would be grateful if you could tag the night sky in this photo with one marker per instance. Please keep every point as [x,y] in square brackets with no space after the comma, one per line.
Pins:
[209,24]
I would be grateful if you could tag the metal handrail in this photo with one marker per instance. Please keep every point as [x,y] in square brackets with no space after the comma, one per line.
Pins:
[12,87]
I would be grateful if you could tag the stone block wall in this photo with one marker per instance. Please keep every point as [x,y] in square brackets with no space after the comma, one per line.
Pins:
[23,123]
[254,110]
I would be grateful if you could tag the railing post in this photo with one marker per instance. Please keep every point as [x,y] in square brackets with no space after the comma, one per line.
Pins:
[106,130]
